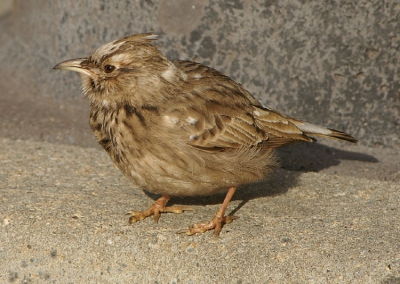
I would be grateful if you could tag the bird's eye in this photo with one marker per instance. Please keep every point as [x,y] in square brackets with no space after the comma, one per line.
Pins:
[109,68]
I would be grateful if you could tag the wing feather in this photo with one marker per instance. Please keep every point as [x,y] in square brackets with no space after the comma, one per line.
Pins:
[219,114]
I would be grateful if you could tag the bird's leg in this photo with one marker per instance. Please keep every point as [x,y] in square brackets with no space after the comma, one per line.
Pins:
[156,209]
[217,222]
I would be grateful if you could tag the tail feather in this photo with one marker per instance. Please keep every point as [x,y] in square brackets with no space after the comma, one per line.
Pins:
[336,134]
[316,130]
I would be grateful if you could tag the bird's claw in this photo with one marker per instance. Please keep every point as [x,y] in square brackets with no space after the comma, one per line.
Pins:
[216,223]
[156,209]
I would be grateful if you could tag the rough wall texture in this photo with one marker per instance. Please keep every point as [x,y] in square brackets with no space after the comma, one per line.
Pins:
[334,63]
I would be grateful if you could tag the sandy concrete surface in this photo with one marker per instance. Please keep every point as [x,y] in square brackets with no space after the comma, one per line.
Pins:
[62,210]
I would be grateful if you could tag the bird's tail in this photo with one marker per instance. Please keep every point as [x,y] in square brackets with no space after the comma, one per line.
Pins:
[315,130]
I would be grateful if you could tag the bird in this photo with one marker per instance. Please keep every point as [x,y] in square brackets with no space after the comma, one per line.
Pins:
[178,128]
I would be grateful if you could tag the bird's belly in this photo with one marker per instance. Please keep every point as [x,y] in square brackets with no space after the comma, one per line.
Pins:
[164,177]
[182,173]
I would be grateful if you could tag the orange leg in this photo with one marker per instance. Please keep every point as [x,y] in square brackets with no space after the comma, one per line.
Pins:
[217,222]
[156,209]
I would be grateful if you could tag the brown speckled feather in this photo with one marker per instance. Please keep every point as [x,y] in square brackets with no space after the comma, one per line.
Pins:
[224,115]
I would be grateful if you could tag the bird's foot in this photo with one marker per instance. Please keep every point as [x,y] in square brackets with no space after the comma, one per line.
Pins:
[156,209]
[216,223]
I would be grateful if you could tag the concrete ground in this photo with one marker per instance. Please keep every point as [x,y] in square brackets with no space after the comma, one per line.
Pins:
[329,215]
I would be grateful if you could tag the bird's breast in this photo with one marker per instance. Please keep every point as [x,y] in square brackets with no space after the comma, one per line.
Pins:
[119,129]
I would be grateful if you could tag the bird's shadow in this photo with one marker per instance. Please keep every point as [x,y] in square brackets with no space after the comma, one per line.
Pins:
[294,160]
[315,157]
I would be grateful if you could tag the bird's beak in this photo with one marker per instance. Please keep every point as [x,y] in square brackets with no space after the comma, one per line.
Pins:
[77,65]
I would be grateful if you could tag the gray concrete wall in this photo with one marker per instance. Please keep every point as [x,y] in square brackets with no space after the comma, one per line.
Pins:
[334,63]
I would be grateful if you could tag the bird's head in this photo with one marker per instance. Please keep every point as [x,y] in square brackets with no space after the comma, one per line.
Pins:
[121,68]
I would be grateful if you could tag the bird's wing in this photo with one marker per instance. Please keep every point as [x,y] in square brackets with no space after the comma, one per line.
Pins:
[215,113]
[213,126]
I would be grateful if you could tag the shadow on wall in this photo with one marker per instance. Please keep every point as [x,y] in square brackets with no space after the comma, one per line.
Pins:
[315,157]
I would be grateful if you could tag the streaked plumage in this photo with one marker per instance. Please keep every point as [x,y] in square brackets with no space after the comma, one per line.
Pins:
[179,128]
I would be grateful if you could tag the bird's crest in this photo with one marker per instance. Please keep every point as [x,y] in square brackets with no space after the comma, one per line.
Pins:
[129,41]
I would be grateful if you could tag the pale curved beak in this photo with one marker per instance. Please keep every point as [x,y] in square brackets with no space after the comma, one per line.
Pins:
[77,65]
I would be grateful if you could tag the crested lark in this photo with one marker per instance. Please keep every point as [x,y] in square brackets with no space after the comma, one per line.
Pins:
[179,128]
